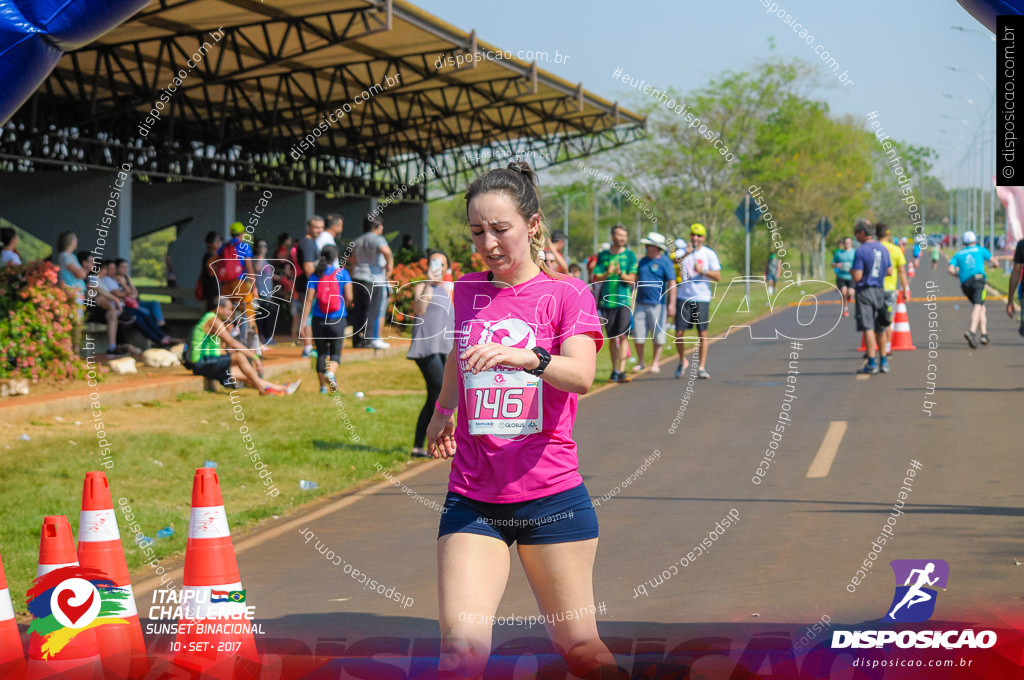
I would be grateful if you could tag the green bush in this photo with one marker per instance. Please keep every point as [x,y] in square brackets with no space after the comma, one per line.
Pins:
[38,319]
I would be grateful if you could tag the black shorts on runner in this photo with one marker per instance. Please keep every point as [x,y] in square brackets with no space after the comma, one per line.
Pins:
[218,368]
[692,313]
[870,309]
[560,518]
[616,320]
[974,289]
[843,283]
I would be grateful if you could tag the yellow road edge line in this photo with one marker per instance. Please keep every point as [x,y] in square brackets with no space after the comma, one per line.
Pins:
[827,452]
[947,298]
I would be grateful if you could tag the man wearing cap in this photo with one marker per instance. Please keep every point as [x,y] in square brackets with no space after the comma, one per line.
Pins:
[616,269]
[693,309]
[969,265]
[655,282]
[243,291]
[871,264]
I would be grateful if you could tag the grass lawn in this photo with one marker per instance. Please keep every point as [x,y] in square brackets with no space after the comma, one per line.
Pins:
[157,446]
[998,279]
[148,283]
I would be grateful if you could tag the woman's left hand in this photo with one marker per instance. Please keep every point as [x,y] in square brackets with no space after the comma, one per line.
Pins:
[486,356]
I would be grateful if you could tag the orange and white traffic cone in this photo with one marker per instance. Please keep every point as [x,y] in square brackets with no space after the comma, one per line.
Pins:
[215,634]
[12,653]
[122,647]
[863,342]
[910,269]
[901,339]
[79,659]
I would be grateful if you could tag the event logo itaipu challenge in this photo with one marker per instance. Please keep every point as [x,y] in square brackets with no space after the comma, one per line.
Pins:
[71,600]
[917,589]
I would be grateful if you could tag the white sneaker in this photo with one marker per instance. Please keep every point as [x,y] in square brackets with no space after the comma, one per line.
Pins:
[380,344]
[638,368]
[655,368]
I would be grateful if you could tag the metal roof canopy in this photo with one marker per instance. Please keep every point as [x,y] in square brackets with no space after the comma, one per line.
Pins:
[278,68]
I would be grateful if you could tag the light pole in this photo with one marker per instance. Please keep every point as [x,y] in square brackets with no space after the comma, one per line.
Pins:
[977,164]
[597,213]
[974,30]
[566,200]
[987,182]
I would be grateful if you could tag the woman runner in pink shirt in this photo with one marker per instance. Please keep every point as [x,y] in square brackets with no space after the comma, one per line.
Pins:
[526,347]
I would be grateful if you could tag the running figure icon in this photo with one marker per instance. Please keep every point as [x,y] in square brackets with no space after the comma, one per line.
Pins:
[915,595]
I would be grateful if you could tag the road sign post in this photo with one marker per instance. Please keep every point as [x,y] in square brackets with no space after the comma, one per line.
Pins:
[824,227]
[746,243]
[747,212]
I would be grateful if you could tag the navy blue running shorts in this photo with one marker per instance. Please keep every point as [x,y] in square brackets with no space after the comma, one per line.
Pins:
[561,518]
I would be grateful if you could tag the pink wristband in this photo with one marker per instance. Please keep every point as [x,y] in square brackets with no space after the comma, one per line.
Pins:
[444,411]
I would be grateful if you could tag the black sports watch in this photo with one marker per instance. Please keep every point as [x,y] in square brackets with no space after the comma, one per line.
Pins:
[545,359]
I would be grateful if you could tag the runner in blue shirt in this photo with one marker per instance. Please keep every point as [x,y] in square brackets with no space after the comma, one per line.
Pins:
[871,264]
[969,265]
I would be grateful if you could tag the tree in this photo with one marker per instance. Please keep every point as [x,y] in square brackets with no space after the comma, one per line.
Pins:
[448,230]
[809,166]
[680,169]
[148,254]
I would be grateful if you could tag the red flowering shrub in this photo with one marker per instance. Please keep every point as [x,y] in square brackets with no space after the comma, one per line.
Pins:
[476,260]
[37,324]
[407,275]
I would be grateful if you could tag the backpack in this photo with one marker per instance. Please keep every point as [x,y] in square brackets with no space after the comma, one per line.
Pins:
[328,292]
[229,267]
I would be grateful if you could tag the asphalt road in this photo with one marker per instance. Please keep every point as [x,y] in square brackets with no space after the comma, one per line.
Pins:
[799,539]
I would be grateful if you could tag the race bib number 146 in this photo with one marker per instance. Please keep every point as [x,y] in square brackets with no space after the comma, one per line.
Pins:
[503,404]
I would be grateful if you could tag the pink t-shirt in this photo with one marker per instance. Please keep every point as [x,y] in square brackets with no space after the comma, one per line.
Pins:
[514,432]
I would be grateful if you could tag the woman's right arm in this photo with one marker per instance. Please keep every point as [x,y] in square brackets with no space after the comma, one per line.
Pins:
[419,306]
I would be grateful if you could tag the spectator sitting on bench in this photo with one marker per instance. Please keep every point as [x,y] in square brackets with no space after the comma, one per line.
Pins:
[143,321]
[9,255]
[124,279]
[208,357]
[107,308]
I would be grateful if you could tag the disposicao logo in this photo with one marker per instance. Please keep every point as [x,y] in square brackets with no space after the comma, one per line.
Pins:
[921,579]
[917,586]
[70,600]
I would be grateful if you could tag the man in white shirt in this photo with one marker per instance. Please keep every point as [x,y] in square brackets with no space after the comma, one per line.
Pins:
[698,269]
[333,225]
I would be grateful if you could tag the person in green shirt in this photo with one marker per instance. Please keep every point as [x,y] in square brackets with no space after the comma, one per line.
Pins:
[616,267]
[209,358]
[842,262]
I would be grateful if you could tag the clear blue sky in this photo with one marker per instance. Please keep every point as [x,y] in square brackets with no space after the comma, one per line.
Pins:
[896,52]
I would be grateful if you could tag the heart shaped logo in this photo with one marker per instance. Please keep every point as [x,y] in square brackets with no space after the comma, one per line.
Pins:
[75,603]
[73,612]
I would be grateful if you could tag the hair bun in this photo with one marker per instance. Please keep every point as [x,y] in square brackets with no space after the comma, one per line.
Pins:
[524,169]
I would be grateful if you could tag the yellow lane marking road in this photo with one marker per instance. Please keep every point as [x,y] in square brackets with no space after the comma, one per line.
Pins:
[829,448]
